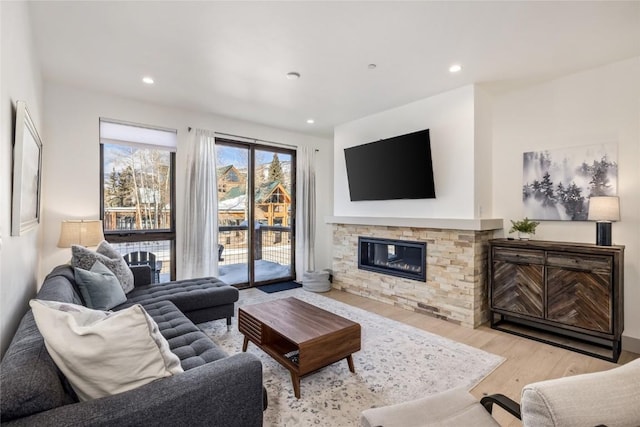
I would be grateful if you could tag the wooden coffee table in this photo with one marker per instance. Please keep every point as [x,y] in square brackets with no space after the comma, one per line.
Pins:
[288,325]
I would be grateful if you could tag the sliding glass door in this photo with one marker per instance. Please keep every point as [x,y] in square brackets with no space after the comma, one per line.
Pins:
[232,165]
[273,209]
[256,203]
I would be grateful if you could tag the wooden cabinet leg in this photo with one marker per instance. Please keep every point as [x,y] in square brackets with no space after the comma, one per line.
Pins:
[245,344]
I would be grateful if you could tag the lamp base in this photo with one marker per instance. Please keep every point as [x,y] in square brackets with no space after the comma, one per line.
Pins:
[603,233]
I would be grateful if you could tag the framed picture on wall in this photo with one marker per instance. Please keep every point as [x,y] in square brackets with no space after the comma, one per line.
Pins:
[27,167]
[557,184]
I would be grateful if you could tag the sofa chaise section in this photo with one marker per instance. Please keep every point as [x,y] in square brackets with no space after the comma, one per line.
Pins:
[201,300]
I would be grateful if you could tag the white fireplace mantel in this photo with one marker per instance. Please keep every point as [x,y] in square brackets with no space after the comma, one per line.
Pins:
[479,224]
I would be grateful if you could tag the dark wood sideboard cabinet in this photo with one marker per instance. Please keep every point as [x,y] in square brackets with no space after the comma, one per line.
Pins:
[565,294]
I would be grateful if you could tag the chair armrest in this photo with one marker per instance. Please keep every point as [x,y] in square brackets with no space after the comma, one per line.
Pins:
[142,275]
[609,397]
[503,401]
[227,392]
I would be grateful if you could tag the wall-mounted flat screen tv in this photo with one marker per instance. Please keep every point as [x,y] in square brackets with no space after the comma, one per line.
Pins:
[392,168]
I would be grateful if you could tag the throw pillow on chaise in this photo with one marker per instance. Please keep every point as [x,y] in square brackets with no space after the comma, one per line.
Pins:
[85,258]
[99,287]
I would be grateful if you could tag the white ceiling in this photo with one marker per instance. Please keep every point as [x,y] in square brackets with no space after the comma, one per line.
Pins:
[230,58]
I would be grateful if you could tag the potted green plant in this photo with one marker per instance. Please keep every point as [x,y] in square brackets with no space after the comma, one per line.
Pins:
[524,227]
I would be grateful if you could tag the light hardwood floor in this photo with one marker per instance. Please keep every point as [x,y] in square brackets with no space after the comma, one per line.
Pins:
[526,360]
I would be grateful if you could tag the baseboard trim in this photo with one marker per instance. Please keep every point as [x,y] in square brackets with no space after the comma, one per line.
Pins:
[631,344]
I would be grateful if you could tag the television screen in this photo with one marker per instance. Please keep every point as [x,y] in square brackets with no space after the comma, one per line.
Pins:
[393,168]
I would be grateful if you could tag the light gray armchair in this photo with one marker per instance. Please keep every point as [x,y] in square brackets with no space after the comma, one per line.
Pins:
[610,398]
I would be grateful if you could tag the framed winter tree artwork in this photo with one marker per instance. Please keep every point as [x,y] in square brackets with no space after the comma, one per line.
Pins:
[557,184]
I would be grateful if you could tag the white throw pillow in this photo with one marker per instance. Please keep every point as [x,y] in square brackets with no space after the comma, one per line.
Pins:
[104,353]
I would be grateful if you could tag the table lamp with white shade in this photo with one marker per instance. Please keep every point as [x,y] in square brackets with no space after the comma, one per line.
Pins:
[83,232]
[604,210]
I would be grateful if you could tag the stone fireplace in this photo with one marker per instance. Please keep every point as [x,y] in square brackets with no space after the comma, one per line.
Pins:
[455,265]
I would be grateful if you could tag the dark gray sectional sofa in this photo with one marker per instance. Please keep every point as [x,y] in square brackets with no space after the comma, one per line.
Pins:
[215,389]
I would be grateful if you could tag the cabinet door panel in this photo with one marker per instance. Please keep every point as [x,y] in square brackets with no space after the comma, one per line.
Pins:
[518,288]
[580,298]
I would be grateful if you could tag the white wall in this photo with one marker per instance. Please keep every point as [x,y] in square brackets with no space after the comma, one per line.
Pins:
[20,79]
[483,165]
[71,161]
[450,120]
[594,106]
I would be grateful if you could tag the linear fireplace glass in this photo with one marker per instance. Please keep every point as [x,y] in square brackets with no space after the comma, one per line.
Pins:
[394,257]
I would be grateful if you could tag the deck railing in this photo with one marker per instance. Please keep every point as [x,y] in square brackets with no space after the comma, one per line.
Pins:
[273,243]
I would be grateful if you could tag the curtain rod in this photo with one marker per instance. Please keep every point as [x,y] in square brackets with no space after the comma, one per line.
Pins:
[253,139]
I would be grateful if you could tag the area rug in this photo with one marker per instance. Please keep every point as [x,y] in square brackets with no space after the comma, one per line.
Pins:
[279,287]
[397,363]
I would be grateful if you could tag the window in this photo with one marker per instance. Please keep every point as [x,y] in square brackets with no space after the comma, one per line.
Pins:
[138,192]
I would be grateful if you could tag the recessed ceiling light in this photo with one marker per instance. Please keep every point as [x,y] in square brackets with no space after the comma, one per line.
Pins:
[310,121]
[293,75]
[455,68]
[147,80]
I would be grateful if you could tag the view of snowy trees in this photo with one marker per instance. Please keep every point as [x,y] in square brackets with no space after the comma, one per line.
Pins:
[557,184]
[137,188]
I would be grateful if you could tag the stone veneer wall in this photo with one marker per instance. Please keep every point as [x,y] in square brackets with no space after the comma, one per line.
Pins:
[456,287]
